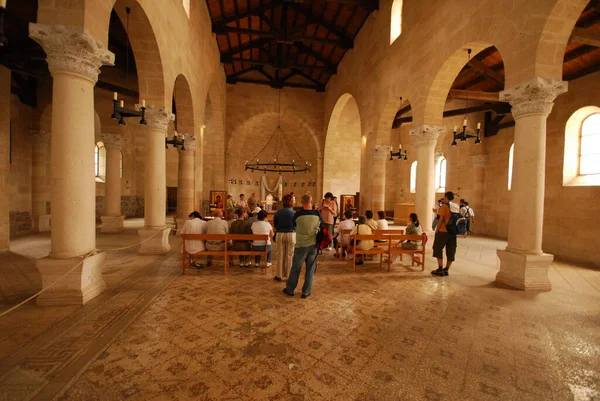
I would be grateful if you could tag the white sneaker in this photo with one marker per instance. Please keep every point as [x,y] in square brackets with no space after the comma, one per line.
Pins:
[269,264]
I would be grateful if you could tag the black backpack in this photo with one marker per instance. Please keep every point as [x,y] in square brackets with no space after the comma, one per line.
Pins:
[457,225]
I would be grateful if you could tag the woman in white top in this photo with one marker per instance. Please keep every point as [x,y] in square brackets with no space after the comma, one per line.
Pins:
[262,226]
[382,223]
[195,225]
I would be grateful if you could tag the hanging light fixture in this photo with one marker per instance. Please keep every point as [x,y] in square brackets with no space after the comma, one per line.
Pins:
[3,38]
[462,134]
[402,155]
[278,155]
[175,141]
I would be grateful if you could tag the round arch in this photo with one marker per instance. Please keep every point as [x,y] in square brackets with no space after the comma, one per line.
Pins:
[184,120]
[343,145]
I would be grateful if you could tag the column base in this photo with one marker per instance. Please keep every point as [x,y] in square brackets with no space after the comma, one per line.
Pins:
[112,224]
[523,271]
[158,244]
[41,223]
[80,286]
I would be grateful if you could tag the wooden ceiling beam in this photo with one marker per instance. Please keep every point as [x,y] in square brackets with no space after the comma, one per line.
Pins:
[474,95]
[277,35]
[500,108]
[484,69]
[257,44]
[320,87]
[273,83]
[318,20]
[369,5]
[585,37]
[578,52]
[244,14]
[277,64]
[316,55]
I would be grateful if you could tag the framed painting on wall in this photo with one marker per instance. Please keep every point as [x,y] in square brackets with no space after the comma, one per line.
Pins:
[217,199]
[348,202]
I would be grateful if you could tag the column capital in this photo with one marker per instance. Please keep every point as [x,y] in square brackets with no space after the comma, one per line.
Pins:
[39,137]
[190,143]
[427,135]
[535,96]
[71,49]
[479,160]
[111,140]
[381,152]
[158,118]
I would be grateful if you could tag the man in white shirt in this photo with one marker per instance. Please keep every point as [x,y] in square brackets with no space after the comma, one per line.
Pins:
[242,204]
[216,226]
[195,225]
[467,212]
[343,241]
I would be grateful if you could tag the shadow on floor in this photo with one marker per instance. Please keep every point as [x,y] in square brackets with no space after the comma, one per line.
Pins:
[19,278]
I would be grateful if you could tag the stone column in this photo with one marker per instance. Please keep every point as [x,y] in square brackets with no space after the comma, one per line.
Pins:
[426,137]
[523,264]
[381,155]
[40,195]
[112,221]
[74,58]
[4,149]
[185,181]
[155,234]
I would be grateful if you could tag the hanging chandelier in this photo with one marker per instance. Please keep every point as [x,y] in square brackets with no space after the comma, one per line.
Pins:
[402,155]
[278,155]
[462,134]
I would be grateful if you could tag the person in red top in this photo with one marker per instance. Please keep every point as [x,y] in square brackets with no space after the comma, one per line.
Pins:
[443,239]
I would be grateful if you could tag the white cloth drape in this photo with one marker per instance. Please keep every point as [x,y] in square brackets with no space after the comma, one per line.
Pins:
[277,188]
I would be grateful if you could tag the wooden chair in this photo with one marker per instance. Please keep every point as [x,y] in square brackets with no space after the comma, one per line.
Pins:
[394,249]
[343,246]
[248,237]
[203,237]
[373,251]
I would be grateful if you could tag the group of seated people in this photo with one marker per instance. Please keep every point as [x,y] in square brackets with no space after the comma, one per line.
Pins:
[243,223]
[366,225]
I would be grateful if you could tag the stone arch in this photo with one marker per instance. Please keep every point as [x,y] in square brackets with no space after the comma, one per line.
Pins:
[148,59]
[250,137]
[440,86]
[555,35]
[343,145]
[182,93]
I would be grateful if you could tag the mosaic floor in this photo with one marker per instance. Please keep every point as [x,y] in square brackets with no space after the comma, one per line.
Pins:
[370,335]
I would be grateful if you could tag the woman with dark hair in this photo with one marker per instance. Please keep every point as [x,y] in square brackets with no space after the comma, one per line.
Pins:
[382,223]
[285,227]
[262,226]
[414,228]
[364,245]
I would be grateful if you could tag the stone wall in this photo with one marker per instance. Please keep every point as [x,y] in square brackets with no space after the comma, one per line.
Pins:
[130,206]
[20,223]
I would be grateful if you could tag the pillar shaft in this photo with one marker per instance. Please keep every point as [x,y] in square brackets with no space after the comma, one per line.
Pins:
[185,180]
[426,137]
[112,193]
[39,173]
[4,149]
[523,264]
[380,158]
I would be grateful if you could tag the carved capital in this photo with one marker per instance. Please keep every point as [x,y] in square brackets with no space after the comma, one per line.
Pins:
[427,135]
[381,152]
[479,160]
[190,143]
[39,137]
[533,97]
[158,118]
[111,141]
[71,49]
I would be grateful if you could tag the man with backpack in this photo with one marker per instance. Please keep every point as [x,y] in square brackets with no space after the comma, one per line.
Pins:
[445,234]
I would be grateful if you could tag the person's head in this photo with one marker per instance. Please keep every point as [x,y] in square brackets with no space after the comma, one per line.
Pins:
[348,214]
[253,195]
[462,201]
[466,203]
[448,196]
[328,195]
[381,215]
[362,219]
[195,215]
[414,219]
[262,215]
[306,201]
[369,214]
[242,196]
[334,198]
[229,196]
[288,200]
[241,213]
[218,213]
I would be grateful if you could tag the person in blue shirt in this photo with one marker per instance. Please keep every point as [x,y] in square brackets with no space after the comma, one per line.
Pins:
[285,238]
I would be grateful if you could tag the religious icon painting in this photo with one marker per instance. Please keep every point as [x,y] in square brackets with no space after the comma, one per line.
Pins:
[348,202]
[217,199]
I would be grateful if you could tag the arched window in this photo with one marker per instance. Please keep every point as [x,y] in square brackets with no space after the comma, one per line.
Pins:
[413,177]
[589,146]
[186,7]
[581,165]
[121,165]
[440,174]
[396,21]
[100,161]
[511,156]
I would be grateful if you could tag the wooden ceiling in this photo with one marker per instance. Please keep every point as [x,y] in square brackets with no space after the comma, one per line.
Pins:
[296,43]
[482,78]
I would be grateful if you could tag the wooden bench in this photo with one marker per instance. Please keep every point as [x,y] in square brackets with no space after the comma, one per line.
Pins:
[343,247]
[373,251]
[225,253]
[396,249]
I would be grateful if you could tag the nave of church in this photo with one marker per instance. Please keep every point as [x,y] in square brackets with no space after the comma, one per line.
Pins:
[123,117]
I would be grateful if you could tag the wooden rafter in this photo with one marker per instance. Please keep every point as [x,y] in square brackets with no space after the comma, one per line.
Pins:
[500,108]
[278,64]
[474,95]
[369,5]
[484,69]
[585,37]
[319,20]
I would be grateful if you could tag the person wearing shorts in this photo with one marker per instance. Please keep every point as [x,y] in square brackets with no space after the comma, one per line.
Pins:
[443,239]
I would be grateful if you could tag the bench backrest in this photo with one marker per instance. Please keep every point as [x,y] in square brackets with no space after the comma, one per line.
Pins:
[247,237]
[390,231]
